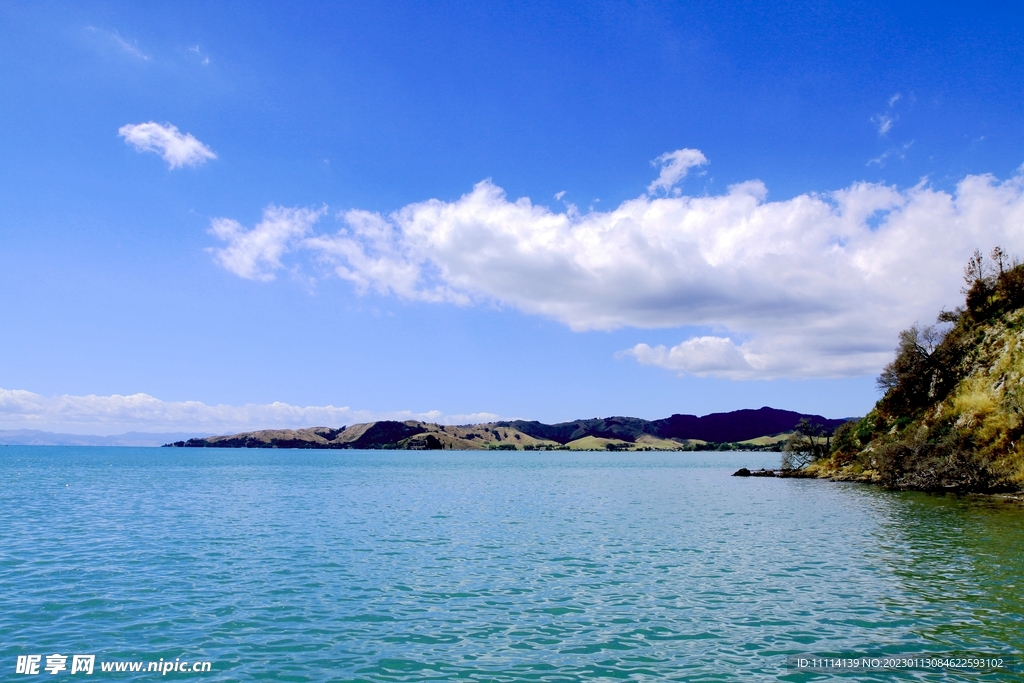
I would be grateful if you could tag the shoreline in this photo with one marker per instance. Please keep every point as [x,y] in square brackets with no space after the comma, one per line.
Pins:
[869,477]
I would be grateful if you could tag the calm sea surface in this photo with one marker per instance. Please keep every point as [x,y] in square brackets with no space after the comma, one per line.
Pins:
[399,566]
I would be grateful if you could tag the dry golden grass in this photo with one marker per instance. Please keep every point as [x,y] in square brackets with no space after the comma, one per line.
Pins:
[768,440]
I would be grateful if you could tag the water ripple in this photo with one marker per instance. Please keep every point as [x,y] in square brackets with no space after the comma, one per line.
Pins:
[416,567]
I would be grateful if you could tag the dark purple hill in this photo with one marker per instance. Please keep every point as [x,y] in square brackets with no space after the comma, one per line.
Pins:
[738,425]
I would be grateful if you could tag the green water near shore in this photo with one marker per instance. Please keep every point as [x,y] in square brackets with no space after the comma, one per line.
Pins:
[388,566]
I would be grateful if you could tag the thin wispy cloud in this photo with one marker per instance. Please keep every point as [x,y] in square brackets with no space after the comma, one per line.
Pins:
[116,414]
[899,152]
[885,121]
[175,148]
[813,286]
[129,47]
[205,59]
[674,167]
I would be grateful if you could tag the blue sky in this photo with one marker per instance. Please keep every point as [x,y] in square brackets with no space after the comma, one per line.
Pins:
[452,210]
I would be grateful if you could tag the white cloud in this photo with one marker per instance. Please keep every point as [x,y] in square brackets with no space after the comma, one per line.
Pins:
[816,286]
[884,123]
[701,356]
[140,412]
[674,167]
[176,149]
[255,254]
[803,353]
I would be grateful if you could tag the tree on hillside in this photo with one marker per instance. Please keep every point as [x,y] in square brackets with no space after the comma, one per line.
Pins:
[926,366]
[907,380]
[990,288]
[808,443]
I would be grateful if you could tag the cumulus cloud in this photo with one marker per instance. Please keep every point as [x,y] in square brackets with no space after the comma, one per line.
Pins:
[255,254]
[674,167]
[115,414]
[700,356]
[811,350]
[813,286]
[176,149]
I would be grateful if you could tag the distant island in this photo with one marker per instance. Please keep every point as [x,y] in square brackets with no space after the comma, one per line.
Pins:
[762,429]
[35,437]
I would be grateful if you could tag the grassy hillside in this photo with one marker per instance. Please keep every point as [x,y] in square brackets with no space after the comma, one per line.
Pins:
[676,433]
[389,434]
[952,416]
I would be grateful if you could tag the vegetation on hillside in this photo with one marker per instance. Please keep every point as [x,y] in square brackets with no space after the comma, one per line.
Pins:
[952,415]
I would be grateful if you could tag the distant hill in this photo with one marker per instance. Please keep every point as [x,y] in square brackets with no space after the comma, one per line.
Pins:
[35,437]
[610,433]
[732,427]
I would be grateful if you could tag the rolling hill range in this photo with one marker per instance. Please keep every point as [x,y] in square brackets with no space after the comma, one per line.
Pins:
[758,428]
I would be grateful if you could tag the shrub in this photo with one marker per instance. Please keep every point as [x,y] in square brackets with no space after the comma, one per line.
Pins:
[845,443]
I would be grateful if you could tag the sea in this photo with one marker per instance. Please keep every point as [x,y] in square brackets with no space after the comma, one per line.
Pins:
[298,565]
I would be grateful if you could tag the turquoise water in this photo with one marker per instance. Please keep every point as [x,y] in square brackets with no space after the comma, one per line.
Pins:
[402,566]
